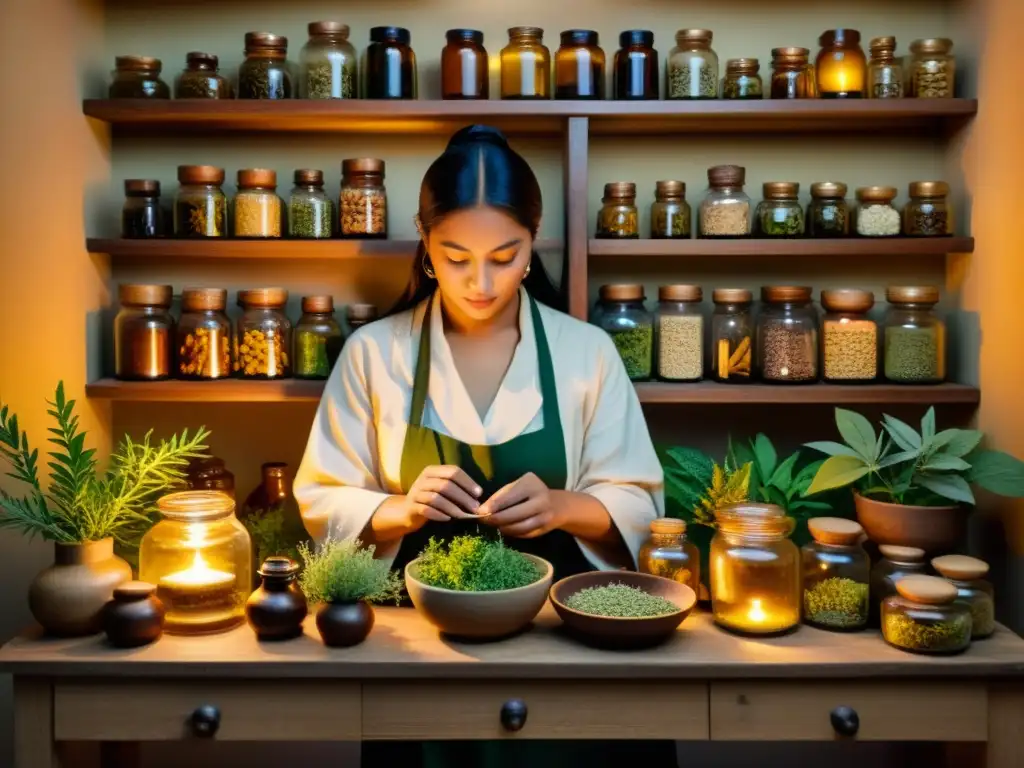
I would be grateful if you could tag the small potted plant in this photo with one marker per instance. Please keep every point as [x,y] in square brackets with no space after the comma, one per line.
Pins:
[344,578]
[913,488]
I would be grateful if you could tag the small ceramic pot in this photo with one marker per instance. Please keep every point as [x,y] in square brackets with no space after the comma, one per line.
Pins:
[344,624]
[276,610]
[135,616]
[934,529]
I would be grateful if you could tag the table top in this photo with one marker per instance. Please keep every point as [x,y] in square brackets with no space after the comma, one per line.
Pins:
[404,646]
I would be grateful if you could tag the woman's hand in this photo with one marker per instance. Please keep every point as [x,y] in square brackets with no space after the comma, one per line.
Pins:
[523,509]
[441,493]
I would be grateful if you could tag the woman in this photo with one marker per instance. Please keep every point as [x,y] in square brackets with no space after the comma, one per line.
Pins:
[476,400]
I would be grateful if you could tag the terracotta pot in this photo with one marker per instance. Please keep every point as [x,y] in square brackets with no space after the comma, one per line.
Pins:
[936,530]
[344,624]
[276,610]
[68,597]
[135,616]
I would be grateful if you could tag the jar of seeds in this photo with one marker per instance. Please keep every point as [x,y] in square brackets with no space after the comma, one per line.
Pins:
[669,554]
[827,214]
[257,206]
[358,315]
[725,210]
[138,77]
[200,208]
[143,333]
[310,210]
[389,65]
[142,216]
[895,563]
[915,336]
[670,213]
[264,73]
[885,73]
[363,208]
[732,335]
[742,80]
[932,69]
[680,333]
[327,63]
[318,339]
[927,214]
[849,338]
[204,339]
[924,617]
[836,575]
[780,213]
[201,79]
[692,66]
[618,218]
[967,574]
[787,335]
[792,74]
[621,313]
[876,215]
[264,337]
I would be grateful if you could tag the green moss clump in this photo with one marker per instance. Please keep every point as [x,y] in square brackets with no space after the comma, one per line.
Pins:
[475,564]
[343,571]
[620,601]
[948,635]
[837,602]
[636,347]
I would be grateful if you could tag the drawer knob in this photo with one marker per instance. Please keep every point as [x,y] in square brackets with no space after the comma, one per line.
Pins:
[513,715]
[205,721]
[845,721]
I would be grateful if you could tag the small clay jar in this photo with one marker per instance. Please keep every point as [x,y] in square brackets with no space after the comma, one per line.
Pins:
[276,610]
[344,624]
[135,616]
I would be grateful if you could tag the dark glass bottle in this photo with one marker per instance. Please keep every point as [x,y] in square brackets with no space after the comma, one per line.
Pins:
[464,72]
[138,77]
[210,474]
[144,333]
[579,66]
[389,65]
[142,215]
[201,79]
[271,515]
[277,608]
[635,74]
[792,74]
[264,73]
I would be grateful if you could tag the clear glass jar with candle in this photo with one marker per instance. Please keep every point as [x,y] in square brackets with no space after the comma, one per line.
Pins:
[779,214]
[732,335]
[787,335]
[635,74]
[876,214]
[310,210]
[138,77]
[742,80]
[464,72]
[363,206]
[525,65]
[927,214]
[579,66]
[725,210]
[915,336]
[895,563]
[264,337]
[257,206]
[669,554]
[264,73]
[836,575]
[201,79]
[755,570]
[885,73]
[198,555]
[680,332]
[841,65]
[925,617]
[967,574]
[389,65]
[143,333]
[200,207]
[204,339]
[849,337]
[932,69]
[691,71]
[670,213]
[828,215]
[622,315]
[792,74]
[328,64]
[142,215]
[618,217]
[318,339]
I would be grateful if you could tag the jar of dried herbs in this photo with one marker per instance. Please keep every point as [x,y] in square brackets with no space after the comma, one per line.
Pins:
[787,335]
[836,575]
[928,214]
[725,210]
[363,206]
[389,65]
[142,216]
[310,210]
[792,74]
[257,206]
[732,335]
[318,339]
[924,617]
[828,215]
[669,554]
[932,69]
[780,213]
[263,340]
[358,315]
[885,73]
[915,336]
[138,77]
[849,338]
[895,563]
[670,213]
[200,208]
[143,333]
[328,66]
[876,215]
[680,333]
[264,73]
[622,314]
[618,218]
[204,338]
[201,79]
[692,66]
[967,574]
[742,80]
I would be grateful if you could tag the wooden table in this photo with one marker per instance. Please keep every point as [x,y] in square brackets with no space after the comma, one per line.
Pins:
[407,683]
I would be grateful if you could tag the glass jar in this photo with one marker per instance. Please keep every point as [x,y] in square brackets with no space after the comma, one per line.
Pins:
[579,66]
[464,71]
[885,73]
[138,77]
[618,217]
[264,337]
[257,206]
[310,210]
[755,570]
[876,215]
[204,338]
[680,333]
[670,213]
[389,65]
[828,215]
[742,80]
[141,215]
[849,338]
[358,315]
[780,213]
[787,335]
[792,74]
[915,336]
[264,73]
[841,65]
[198,555]
[318,339]
[525,65]
[895,563]
[669,554]
[201,79]
[328,67]
[932,69]
[924,617]
[732,335]
[928,214]
[836,575]
[143,333]
[363,206]
[200,208]
[209,473]
[635,76]
[692,67]
[725,210]
[967,575]
[622,314]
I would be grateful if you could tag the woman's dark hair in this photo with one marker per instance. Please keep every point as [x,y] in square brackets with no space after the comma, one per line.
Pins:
[477,168]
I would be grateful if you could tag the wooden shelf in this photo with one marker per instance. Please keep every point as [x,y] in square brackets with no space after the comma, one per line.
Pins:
[896,246]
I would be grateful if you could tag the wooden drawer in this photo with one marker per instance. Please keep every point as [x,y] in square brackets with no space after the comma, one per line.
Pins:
[555,710]
[887,711]
[161,710]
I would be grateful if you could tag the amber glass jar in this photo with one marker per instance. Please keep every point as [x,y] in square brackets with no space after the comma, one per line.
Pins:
[828,215]
[257,206]
[885,73]
[928,214]
[895,563]
[635,75]
[201,79]
[210,473]
[204,339]
[732,335]
[915,336]
[792,74]
[841,65]
[967,574]
[200,207]
[142,215]
[138,77]
[328,67]
[787,335]
[464,72]
[579,66]
[143,333]
[742,80]
[669,554]
[363,207]
[925,617]
[264,335]
[618,216]
[779,214]
[692,66]
[525,65]
[836,575]
[849,337]
[670,213]
[932,69]
[264,73]
[389,65]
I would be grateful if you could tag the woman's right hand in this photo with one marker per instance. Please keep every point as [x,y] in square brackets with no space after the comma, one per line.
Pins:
[440,493]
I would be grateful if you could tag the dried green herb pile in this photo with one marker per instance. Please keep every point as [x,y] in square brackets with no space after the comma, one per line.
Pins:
[951,634]
[636,347]
[475,564]
[620,601]
[837,602]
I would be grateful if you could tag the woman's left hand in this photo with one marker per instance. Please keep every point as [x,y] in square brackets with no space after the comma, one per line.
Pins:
[522,509]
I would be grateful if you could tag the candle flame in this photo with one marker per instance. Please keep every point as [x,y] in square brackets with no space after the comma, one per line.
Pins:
[756,612]
[199,573]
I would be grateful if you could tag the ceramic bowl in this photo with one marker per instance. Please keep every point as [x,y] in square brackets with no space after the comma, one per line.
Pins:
[479,615]
[612,632]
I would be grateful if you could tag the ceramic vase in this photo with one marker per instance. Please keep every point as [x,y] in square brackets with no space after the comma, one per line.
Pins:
[277,609]
[343,625]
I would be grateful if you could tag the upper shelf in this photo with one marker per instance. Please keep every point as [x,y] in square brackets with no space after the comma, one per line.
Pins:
[855,246]
[534,117]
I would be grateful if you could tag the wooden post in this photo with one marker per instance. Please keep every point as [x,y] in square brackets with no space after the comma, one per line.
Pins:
[576,218]
[34,746]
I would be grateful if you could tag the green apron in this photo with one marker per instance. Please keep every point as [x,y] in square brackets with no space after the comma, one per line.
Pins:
[543,453]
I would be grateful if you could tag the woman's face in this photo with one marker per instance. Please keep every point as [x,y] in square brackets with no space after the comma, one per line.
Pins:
[480,256]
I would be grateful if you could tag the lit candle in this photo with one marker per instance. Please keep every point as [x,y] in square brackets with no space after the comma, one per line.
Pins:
[200,598]
[198,575]
[756,613]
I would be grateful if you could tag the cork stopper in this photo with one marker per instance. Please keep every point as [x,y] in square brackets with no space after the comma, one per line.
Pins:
[898,554]
[930,590]
[328,29]
[137,295]
[248,178]
[847,300]
[669,190]
[727,175]
[204,299]
[265,41]
[622,292]
[201,60]
[960,567]
[362,165]
[876,194]
[779,294]
[138,64]
[318,304]
[742,66]
[781,190]
[695,36]
[309,177]
[200,174]
[680,293]
[928,189]
[142,187]
[263,297]
[828,189]
[835,531]
[933,45]
[912,294]
[620,190]
[732,296]
[134,590]
[668,526]
[790,53]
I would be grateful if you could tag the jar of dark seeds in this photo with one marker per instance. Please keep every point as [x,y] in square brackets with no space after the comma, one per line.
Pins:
[138,77]
[828,215]
[780,213]
[358,315]
[328,66]
[742,80]
[143,333]
[142,215]
[885,74]
[264,73]
[264,337]
[200,208]
[927,214]
[725,210]
[932,69]
[618,218]
[680,333]
[201,79]
[318,339]
[363,204]
[670,213]
[257,206]
[310,210]
[915,336]
[787,335]
[692,67]
[849,338]
[204,339]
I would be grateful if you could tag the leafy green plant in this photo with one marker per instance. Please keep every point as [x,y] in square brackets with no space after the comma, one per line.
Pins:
[900,465]
[475,564]
[783,483]
[345,572]
[272,534]
[80,504]
[728,486]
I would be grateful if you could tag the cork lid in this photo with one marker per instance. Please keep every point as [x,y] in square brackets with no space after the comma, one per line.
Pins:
[912,294]
[790,53]
[362,165]
[263,297]
[847,300]
[256,177]
[331,28]
[622,292]
[138,295]
[620,190]
[265,41]
[837,531]
[669,190]
[742,66]
[960,567]
[364,312]
[200,174]
[777,294]
[309,176]
[699,36]
[680,293]
[727,175]
[882,44]
[930,590]
[134,590]
[928,189]
[322,304]
[668,526]
[828,189]
[876,194]
[900,554]
[147,187]
[138,64]
[278,565]
[204,299]
[780,190]
[732,296]
[932,45]
[201,59]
